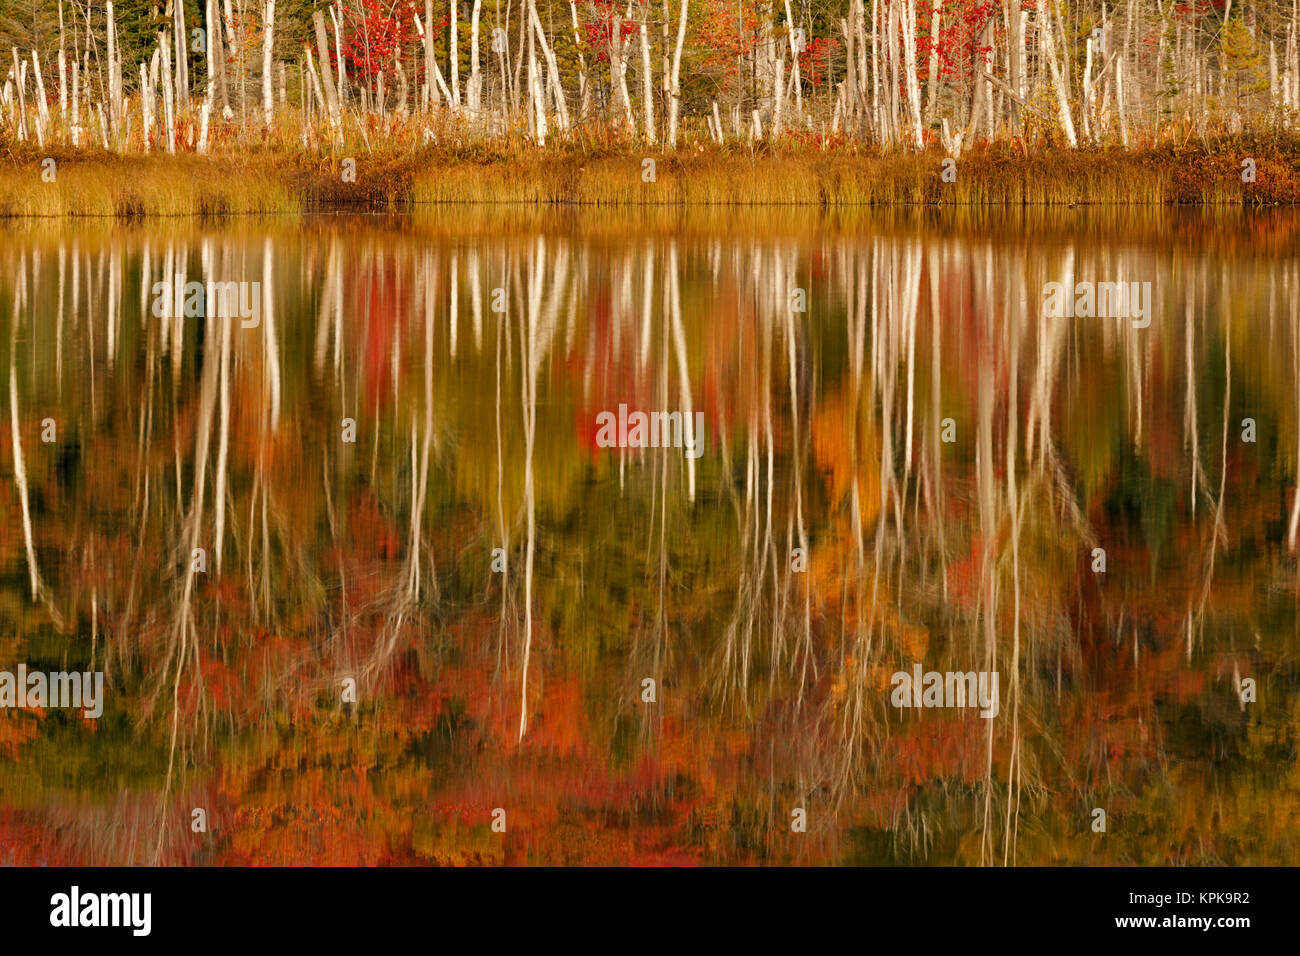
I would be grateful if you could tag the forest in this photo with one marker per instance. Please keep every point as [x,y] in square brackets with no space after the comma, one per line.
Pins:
[209,75]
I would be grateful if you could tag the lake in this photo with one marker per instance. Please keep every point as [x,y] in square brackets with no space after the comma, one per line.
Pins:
[615,536]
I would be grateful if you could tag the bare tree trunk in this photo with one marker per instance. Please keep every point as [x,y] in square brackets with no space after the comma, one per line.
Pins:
[1089,92]
[1119,100]
[675,90]
[548,55]
[583,93]
[877,119]
[217,49]
[475,78]
[315,88]
[647,84]
[76,102]
[20,74]
[169,95]
[453,54]
[536,106]
[618,72]
[978,97]
[932,79]
[63,88]
[778,96]
[507,91]
[42,107]
[908,13]
[794,59]
[182,92]
[851,108]
[268,43]
[327,76]
[1046,38]
[205,111]
[430,62]
[146,107]
[1012,17]
[536,118]
[211,48]
[337,20]
[114,81]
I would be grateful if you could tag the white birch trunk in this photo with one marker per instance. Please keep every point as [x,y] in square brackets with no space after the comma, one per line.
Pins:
[430,61]
[647,84]
[675,89]
[181,92]
[1046,37]
[475,91]
[169,96]
[453,54]
[561,106]
[909,64]
[268,43]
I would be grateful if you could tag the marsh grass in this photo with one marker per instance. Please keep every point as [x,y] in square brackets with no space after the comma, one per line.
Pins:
[847,177]
[110,186]
[279,180]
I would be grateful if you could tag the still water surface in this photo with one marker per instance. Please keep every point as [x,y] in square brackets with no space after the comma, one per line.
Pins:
[389,455]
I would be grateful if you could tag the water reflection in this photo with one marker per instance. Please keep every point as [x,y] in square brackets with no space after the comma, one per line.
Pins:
[367,453]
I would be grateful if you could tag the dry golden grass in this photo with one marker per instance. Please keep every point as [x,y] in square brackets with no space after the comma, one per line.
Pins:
[282,179]
[110,186]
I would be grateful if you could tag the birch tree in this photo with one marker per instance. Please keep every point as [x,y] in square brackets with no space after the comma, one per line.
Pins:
[675,87]
[268,42]
[1047,43]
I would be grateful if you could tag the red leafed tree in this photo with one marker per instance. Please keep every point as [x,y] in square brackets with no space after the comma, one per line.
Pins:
[958,42]
[818,53]
[599,29]
[1191,11]
[728,31]
[374,30]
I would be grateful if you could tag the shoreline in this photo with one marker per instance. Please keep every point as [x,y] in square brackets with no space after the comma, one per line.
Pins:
[66,184]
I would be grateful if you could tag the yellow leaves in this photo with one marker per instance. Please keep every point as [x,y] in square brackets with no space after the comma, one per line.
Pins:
[828,563]
[913,641]
[874,679]
[453,845]
[838,686]
[847,449]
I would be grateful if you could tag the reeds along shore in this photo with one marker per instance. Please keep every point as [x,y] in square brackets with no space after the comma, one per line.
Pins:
[66,183]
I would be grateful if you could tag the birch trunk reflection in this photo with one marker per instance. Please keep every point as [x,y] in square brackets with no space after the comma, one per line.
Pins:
[915,470]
